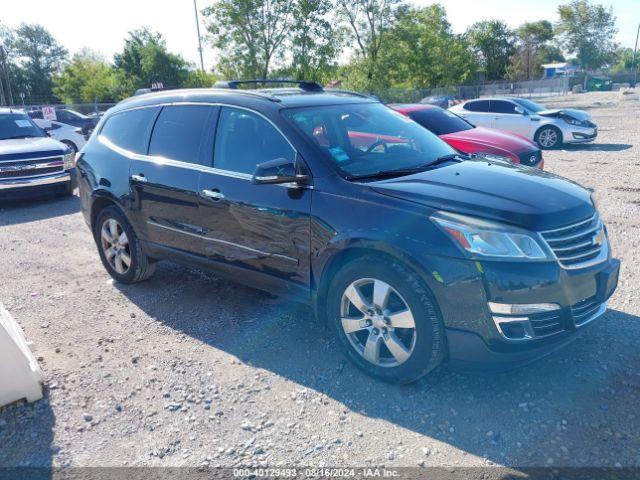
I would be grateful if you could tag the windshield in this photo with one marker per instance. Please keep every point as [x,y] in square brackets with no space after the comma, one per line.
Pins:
[439,121]
[529,105]
[364,139]
[18,125]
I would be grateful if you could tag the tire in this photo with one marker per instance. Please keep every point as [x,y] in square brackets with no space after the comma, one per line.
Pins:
[548,137]
[139,266]
[423,345]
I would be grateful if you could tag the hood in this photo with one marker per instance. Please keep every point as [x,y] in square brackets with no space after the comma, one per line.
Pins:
[19,148]
[577,114]
[489,137]
[527,197]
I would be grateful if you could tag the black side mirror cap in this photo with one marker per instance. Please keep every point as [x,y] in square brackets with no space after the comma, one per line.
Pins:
[280,170]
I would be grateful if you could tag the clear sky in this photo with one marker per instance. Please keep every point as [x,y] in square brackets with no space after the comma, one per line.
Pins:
[103,24]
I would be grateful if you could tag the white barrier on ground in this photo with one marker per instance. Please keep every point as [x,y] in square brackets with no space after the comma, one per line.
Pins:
[20,374]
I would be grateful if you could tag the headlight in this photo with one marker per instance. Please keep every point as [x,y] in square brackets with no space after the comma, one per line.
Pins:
[69,160]
[574,121]
[493,157]
[489,239]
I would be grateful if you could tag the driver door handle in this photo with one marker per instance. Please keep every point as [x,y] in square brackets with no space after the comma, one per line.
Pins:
[214,194]
[139,178]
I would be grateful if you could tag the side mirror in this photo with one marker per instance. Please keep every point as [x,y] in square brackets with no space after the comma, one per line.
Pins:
[521,110]
[280,170]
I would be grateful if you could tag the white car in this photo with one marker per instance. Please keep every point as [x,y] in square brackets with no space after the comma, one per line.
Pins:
[548,128]
[67,134]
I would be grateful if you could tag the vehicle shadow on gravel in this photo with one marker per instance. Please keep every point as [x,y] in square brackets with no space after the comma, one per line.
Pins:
[556,411]
[597,147]
[36,209]
[26,440]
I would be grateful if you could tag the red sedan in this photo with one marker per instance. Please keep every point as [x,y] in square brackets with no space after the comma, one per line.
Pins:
[467,138]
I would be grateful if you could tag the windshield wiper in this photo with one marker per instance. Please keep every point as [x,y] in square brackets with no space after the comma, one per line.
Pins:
[407,171]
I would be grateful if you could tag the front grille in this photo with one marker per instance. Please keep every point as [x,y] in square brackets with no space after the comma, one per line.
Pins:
[577,244]
[530,159]
[584,310]
[30,168]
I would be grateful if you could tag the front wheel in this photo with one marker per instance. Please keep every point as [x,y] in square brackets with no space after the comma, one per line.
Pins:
[386,320]
[549,137]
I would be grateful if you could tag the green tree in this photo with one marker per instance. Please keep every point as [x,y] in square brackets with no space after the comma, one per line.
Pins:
[315,42]
[199,79]
[423,51]
[532,47]
[624,60]
[145,60]
[369,22]
[588,32]
[249,34]
[87,78]
[34,58]
[494,45]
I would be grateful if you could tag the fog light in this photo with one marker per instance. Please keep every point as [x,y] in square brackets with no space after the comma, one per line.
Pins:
[514,328]
[522,309]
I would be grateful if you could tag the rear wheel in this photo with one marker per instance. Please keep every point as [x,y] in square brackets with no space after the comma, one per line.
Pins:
[386,320]
[119,248]
[549,137]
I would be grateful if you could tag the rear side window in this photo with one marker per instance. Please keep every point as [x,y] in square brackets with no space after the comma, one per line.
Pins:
[245,139]
[501,106]
[130,130]
[477,106]
[439,121]
[179,132]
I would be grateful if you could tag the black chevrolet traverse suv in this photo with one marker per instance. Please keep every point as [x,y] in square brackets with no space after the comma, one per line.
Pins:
[410,251]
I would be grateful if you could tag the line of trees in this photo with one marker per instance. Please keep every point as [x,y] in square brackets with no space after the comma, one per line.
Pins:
[388,43]
[368,45]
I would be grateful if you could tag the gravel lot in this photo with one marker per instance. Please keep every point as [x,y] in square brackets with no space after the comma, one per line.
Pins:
[189,369]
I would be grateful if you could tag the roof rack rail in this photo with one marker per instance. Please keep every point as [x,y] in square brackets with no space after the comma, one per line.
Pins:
[305,85]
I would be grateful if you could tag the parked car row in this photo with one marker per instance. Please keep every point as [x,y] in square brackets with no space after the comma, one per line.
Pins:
[412,251]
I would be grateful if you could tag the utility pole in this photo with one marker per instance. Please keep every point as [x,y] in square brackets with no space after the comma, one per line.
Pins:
[1,90]
[195,7]
[634,67]
[3,65]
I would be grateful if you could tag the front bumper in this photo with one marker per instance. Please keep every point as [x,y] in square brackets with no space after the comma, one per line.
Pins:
[574,134]
[34,186]
[474,338]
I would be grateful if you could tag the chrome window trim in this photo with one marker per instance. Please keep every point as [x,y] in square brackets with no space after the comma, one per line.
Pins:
[177,163]
[224,242]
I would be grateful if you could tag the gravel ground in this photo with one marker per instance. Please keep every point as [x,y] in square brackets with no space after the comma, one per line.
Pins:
[189,369]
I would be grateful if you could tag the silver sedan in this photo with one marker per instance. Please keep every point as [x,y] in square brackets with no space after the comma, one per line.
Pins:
[548,128]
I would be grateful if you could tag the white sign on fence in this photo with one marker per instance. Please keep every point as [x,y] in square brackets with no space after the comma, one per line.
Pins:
[49,113]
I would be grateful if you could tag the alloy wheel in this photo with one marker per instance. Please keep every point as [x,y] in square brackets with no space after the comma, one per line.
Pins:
[548,137]
[115,246]
[378,322]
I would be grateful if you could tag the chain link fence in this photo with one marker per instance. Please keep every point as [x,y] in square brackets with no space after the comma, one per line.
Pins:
[529,89]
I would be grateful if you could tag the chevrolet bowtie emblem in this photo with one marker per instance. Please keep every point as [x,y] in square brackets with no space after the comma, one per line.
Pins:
[599,238]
